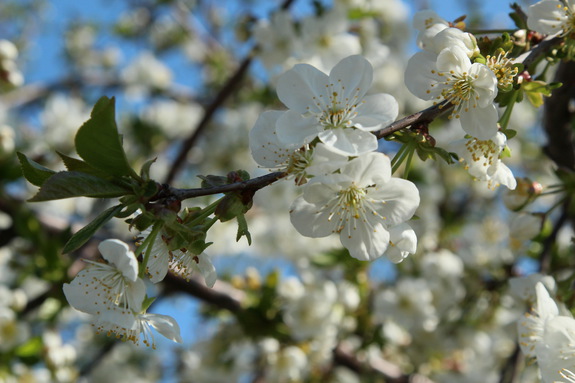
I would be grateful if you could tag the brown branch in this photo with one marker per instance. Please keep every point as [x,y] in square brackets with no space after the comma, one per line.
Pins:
[376,366]
[222,295]
[253,184]
[424,116]
[540,49]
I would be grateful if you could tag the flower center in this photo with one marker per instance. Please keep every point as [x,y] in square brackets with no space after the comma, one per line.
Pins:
[352,205]
[502,67]
[350,201]
[483,150]
[458,89]
[299,161]
[337,111]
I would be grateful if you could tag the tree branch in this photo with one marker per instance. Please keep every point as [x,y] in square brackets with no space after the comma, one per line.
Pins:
[252,184]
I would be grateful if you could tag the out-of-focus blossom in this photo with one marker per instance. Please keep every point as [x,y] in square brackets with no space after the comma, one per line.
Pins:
[552,17]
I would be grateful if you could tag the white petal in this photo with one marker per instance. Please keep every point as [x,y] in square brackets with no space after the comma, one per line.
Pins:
[419,78]
[325,161]
[403,242]
[546,306]
[480,123]
[119,253]
[451,37]
[484,84]
[157,266]
[401,200]
[165,325]
[207,269]
[546,17]
[320,190]
[376,110]
[265,146]
[349,141]
[426,38]
[453,59]
[135,294]
[504,176]
[300,87]
[309,221]
[353,76]
[371,168]
[365,242]
[86,294]
[294,130]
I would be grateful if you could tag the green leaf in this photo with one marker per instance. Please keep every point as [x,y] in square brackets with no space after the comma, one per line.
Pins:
[243,229]
[76,165]
[35,173]
[98,141]
[85,233]
[145,171]
[76,184]
[232,205]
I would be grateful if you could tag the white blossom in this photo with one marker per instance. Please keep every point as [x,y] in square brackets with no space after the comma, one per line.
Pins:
[333,107]
[104,286]
[470,87]
[361,204]
[483,160]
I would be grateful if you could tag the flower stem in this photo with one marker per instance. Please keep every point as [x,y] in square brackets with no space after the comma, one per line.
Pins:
[206,212]
[408,162]
[399,158]
[504,120]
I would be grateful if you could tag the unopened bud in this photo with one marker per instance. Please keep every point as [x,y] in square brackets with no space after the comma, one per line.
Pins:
[525,192]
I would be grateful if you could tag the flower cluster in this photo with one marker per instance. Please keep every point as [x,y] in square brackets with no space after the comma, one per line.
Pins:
[114,294]
[325,141]
[445,72]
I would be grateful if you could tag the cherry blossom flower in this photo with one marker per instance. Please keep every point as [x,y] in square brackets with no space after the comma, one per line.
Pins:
[361,204]
[101,286]
[114,294]
[470,87]
[333,108]
[552,17]
[532,326]
[131,326]
[483,160]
